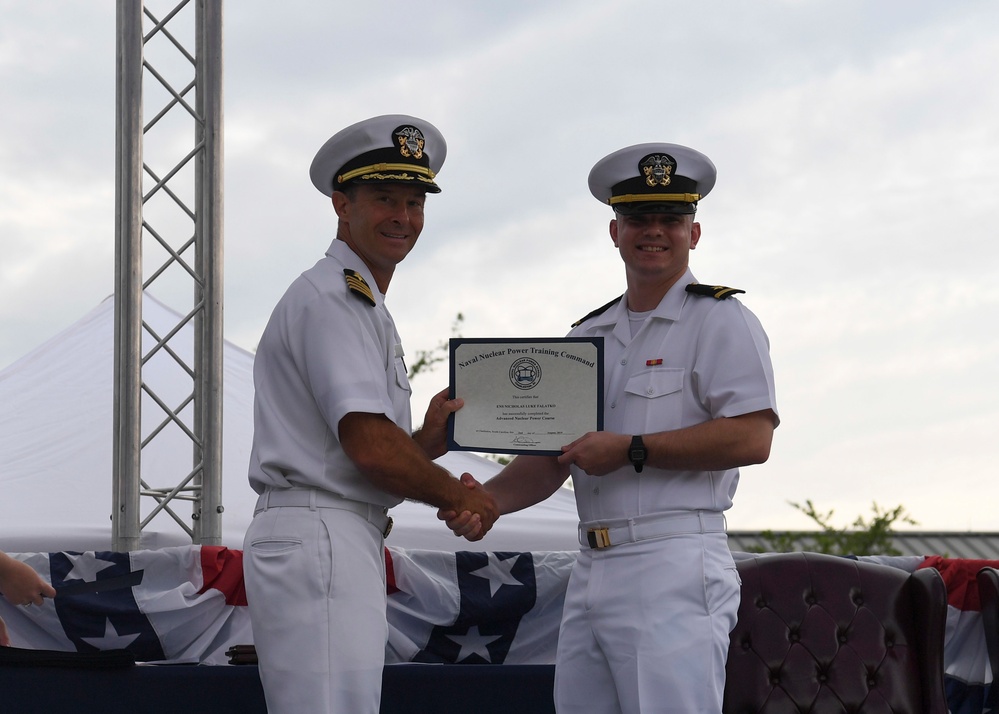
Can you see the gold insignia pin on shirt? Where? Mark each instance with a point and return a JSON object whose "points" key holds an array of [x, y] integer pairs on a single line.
{"points": [[359, 286]]}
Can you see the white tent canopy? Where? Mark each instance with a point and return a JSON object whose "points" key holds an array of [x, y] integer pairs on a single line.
{"points": [[56, 444]]}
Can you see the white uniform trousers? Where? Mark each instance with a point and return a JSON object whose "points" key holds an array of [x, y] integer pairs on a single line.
{"points": [[315, 583], [646, 627]]}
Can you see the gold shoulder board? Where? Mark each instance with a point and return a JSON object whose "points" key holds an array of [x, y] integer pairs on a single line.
{"points": [[599, 311], [718, 292], [359, 286]]}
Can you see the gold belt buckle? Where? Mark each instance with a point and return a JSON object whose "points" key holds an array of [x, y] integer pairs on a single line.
{"points": [[598, 537]]}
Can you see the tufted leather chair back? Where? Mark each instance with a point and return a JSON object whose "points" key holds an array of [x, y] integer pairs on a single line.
{"points": [[988, 593], [824, 634]]}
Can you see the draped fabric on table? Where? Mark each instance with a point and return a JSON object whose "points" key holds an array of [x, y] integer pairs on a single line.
{"points": [[187, 604]]}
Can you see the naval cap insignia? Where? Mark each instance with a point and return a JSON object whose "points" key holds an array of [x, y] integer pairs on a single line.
{"points": [[411, 141], [657, 169]]}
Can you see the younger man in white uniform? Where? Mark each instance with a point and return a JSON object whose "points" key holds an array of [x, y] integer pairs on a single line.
{"points": [[689, 397], [332, 449]]}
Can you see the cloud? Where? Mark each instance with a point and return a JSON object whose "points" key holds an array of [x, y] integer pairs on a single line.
{"points": [[858, 165]]}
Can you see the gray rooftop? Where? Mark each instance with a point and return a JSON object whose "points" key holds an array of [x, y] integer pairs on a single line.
{"points": [[948, 544]]}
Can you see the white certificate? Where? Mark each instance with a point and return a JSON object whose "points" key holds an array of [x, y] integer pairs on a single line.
{"points": [[525, 396]]}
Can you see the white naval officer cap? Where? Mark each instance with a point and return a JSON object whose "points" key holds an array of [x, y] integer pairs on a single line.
{"points": [[652, 178], [393, 148]]}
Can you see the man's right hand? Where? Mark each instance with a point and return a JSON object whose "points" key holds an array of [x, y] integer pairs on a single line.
{"points": [[20, 584], [476, 513]]}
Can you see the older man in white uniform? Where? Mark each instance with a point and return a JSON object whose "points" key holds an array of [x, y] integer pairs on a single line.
{"points": [[689, 397], [332, 448]]}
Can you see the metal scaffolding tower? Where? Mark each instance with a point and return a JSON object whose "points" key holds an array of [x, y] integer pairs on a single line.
{"points": [[170, 202]]}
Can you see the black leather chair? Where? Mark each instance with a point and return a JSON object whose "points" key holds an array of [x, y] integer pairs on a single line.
{"points": [[825, 634], [988, 593]]}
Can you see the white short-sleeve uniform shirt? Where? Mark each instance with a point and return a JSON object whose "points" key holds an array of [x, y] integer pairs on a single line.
{"points": [[694, 359], [325, 352]]}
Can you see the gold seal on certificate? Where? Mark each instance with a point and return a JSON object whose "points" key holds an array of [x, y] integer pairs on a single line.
{"points": [[525, 396]]}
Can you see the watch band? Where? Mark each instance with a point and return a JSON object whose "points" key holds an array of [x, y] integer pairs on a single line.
{"points": [[637, 453]]}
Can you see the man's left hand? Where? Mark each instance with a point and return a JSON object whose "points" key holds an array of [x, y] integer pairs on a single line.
{"points": [[597, 453], [432, 436]]}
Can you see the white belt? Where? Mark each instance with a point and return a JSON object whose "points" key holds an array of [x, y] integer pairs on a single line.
{"points": [[314, 498], [603, 534]]}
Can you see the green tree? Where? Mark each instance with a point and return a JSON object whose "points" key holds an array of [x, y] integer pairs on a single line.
{"points": [[865, 537]]}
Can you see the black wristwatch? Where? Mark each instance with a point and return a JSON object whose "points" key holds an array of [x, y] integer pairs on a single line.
{"points": [[637, 453]]}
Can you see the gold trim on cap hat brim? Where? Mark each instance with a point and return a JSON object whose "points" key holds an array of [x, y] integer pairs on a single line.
{"points": [[381, 168], [648, 197]]}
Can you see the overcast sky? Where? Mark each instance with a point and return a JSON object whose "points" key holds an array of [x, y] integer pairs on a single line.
{"points": [[856, 203]]}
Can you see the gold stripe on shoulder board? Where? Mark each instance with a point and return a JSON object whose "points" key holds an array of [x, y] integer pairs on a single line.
{"points": [[359, 286], [718, 292], [599, 311]]}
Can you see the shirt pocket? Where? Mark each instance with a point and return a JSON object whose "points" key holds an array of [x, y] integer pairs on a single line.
{"points": [[654, 400], [402, 375]]}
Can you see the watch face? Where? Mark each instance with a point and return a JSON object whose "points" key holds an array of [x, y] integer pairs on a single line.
{"points": [[637, 453]]}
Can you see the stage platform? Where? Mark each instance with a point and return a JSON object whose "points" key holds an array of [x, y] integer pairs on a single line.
{"points": [[193, 689]]}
